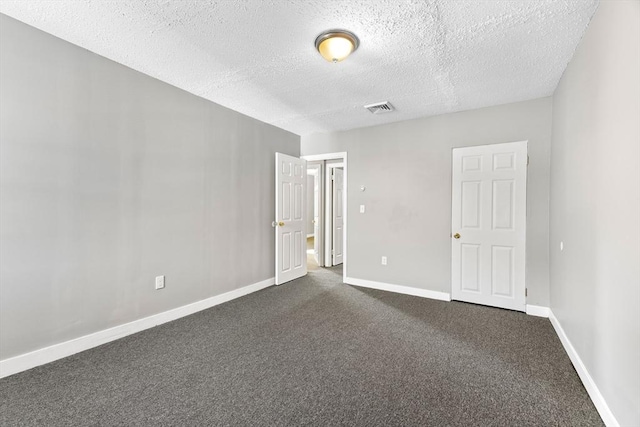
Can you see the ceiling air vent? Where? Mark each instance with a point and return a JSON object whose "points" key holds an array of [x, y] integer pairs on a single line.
{"points": [[380, 107]]}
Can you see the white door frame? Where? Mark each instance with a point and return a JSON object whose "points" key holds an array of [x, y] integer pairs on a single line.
{"points": [[337, 156], [328, 214]]}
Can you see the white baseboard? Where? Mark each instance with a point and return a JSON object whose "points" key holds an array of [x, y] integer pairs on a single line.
{"points": [[58, 351], [408, 290], [587, 381], [537, 310]]}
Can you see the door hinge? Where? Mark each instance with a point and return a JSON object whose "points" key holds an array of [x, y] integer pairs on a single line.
{"points": [[525, 292], [527, 160]]}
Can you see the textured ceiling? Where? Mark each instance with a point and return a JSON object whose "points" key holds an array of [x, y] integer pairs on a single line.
{"points": [[257, 56]]}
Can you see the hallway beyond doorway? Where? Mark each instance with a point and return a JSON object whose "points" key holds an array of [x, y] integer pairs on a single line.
{"points": [[311, 260]]}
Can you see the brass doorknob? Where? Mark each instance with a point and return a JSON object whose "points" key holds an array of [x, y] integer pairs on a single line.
{"points": [[456, 236], [281, 224]]}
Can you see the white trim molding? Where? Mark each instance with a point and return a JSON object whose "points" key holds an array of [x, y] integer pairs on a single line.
{"points": [[585, 377], [537, 310], [325, 156], [407, 290], [49, 354]]}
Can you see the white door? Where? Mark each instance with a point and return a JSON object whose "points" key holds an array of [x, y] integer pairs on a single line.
{"points": [[337, 216], [291, 237], [489, 225]]}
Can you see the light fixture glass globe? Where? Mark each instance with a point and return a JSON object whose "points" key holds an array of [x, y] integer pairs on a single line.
{"points": [[335, 49], [336, 45]]}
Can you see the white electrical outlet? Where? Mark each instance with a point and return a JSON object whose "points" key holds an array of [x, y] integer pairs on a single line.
{"points": [[159, 282], [561, 246], [384, 260], [361, 208]]}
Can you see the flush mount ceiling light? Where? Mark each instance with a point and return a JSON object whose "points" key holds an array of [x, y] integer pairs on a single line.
{"points": [[336, 45]]}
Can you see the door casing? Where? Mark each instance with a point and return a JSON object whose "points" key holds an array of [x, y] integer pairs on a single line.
{"points": [[343, 161]]}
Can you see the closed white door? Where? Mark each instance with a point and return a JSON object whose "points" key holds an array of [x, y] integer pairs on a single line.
{"points": [[338, 216], [489, 225], [291, 237]]}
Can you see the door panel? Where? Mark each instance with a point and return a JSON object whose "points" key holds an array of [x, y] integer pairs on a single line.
{"points": [[286, 202], [504, 162], [286, 249], [291, 260], [298, 201], [471, 163], [470, 267], [503, 207], [471, 204], [489, 221], [502, 271]]}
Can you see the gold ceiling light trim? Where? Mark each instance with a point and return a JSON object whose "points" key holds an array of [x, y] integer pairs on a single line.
{"points": [[336, 45]]}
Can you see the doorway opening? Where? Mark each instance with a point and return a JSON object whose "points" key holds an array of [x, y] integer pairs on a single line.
{"points": [[326, 220], [313, 216]]}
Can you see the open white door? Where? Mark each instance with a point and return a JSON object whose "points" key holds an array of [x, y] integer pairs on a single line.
{"points": [[338, 216], [291, 237], [489, 225]]}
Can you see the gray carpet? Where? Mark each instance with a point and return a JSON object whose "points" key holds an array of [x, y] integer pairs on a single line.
{"points": [[315, 352]]}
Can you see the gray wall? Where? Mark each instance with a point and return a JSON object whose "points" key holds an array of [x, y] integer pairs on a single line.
{"points": [[595, 205], [406, 168], [109, 178]]}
